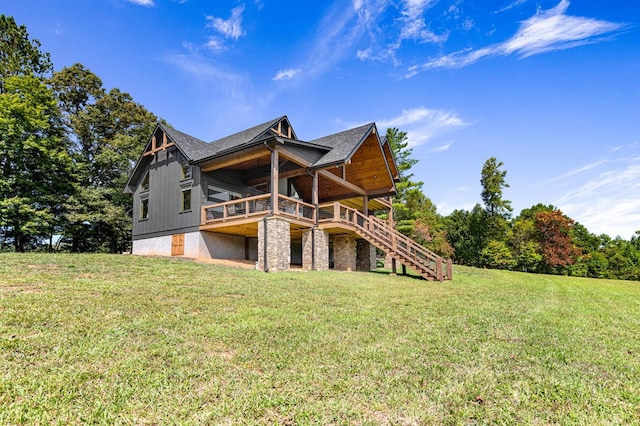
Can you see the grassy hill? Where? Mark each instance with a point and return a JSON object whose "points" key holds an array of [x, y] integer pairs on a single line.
{"points": [[131, 340]]}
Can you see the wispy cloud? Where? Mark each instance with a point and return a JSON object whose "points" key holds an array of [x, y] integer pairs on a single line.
{"points": [[286, 74], [604, 196], [510, 6], [229, 28], [443, 148], [423, 125], [546, 31], [229, 85], [147, 3], [337, 33], [410, 24], [413, 25]]}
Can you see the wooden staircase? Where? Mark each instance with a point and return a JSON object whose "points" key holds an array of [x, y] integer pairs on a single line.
{"points": [[400, 247]]}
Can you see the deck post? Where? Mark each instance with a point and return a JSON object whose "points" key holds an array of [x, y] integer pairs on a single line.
{"points": [[274, 181], [314, 196]]}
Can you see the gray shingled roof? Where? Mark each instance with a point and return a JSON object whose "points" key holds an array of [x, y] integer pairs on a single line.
{"points": [[342, 144], [239, 139], [191, 147]]}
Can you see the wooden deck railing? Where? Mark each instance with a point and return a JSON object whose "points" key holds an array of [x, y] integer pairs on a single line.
{"points": [[257, 206], [378, 232], [381, 234]]}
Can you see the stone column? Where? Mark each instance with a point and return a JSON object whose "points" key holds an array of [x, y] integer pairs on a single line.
{"points": [[365, 256], [278, 244], [344, 253], [387, 261], [321, 253]]}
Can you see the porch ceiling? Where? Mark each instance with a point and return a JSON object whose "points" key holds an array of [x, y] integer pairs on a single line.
{"points": [[366, 172]]}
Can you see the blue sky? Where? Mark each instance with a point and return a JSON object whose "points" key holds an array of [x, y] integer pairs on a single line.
{"points": [[551, 88]]}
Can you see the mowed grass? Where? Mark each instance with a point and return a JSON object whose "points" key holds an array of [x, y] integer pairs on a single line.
{"points": [[109, 339]]}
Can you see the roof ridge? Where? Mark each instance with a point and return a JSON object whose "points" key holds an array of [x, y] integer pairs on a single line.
{"points": [[265, 126]]}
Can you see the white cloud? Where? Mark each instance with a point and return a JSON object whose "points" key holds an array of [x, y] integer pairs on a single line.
{"points": [[215, 44], [230, 28], [546, 31], [287, 74], [423, 124], [604, 196], [228, 85], [337, 33], [510, 6], [386, 40], [443, 148], [147, 3], [413, 26]]}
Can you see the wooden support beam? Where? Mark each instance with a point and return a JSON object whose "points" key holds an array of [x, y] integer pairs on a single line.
{"points": [[314, 195], [342, 182], [275, 158], [283, 175], [235, 158]]}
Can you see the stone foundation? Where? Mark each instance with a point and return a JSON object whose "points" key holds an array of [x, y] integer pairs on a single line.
{"points": [[365, 256], [321, 253], [344, 253], [278, 243]]}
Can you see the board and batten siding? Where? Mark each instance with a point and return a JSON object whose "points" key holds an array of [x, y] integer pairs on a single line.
{"points": [[165, 198]]}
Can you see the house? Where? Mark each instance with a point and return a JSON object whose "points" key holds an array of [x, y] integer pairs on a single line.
{"points": [[265, 196]]}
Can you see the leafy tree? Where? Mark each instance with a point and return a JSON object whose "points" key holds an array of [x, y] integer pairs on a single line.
{"points": [[20, 55], [34, 161], [467, 234], [528, 257], [523, 242], [553, 230], [107, 130], [497, 255]]}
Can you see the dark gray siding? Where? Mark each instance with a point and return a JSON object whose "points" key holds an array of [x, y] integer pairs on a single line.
{"points": [[165, 198]]}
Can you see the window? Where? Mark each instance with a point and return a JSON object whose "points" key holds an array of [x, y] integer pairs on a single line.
{"points": [[145, 182], [144, 209], [186, 171], [186, 199]]}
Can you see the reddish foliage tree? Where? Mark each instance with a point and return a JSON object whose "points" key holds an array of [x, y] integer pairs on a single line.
{"points": [[555, 240]]}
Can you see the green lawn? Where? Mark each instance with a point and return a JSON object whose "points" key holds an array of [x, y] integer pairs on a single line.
{"points": [[129, 340]]}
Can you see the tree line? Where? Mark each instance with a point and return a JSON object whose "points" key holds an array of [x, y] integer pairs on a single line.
{"points": [[68, 144], [541, 239]]}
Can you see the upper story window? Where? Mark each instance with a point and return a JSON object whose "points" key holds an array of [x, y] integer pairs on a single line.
{"points": [[144, 209], [144, 186], [186, 199], [185, 172]]}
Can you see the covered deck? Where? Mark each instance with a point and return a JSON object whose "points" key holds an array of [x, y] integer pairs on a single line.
{"points": [[241, 216]]}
